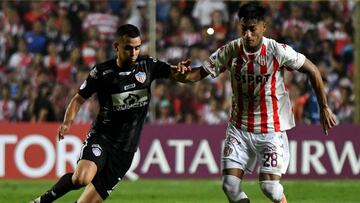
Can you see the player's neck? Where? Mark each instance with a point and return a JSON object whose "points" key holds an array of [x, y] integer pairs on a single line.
{"points": [[118, 63], [122, 64], [253, 49]]}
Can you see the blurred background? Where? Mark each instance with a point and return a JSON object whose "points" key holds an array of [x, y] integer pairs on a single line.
{"points": [[48, 47]]}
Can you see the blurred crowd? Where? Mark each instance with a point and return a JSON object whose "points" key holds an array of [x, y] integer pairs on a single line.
{"points": [[48, 47]]}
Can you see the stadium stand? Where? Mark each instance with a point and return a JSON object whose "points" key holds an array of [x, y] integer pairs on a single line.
{"points": [[48, 47]]}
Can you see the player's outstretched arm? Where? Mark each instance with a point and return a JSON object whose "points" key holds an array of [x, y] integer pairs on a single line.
{"points": [[327, 118], [70, 115], [183, 72]]}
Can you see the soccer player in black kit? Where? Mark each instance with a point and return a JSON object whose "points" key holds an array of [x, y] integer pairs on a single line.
{"points": [[123, 91]]}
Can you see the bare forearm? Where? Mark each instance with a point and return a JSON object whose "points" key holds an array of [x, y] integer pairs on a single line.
{"points": [[316, 82], [73, 109], [194, 75], [327, 118]]}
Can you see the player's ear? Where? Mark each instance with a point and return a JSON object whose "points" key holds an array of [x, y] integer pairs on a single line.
{"points": [[264, 26], [115, 45]]}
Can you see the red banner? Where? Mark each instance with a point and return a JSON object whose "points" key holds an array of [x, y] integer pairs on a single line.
{"points": [[175, 151]]}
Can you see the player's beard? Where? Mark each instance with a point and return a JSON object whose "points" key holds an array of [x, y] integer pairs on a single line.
{"points": [[129, 62], [133, 60]]}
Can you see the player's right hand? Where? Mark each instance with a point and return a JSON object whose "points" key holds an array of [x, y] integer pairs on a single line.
{"points": [[62, 130], [327, 119], [184, 66]]}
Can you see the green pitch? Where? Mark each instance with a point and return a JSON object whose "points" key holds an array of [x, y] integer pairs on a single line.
{"points": [[192, 191]]}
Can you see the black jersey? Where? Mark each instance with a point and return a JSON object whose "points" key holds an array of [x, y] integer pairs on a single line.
{"points": [[124, 96]]}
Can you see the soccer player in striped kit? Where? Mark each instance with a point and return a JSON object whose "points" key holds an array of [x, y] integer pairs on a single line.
{"points": [[261, 107]]}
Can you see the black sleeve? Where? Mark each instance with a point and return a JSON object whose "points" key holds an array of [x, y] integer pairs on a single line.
{"points": [[159, 69], [89, 86]]}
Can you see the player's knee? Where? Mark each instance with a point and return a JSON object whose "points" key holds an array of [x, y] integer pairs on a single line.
{"points": [[232, 189], [84, 173], [231, 185], [272, 189], [82, 178]]}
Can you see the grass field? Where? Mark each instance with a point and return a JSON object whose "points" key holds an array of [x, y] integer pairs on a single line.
{"points": [[192, 191]]}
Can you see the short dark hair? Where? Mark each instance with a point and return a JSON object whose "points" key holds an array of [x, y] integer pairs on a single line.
{"points": [[129, 30], [252, 11]]}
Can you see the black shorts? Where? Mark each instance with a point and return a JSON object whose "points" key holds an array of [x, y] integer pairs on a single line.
{"points": [[112, 163]]}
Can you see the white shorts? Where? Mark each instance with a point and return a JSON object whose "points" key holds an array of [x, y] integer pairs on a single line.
{"points": [[242, 150]]}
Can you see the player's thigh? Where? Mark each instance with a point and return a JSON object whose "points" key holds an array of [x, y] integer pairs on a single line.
{"points": [[273, 155], [117, 165], [90, 195], [237, 152], [84, 172], [92, 159], [95, 150]]}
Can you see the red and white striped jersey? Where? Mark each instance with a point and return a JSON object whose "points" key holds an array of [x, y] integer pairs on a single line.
{"points": [[260, 102]]}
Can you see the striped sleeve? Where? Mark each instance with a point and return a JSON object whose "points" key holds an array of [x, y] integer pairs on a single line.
{"points": [[289, 57], [218, 61]]}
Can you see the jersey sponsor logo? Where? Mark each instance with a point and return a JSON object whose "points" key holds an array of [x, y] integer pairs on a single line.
{"points": [[83, 85], [257, 79], [127, 87], [96, 149], [130, 99], [140, 76]]}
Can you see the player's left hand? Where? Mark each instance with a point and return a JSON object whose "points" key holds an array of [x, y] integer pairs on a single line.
{"points": [[327, 119], [62, 130]]}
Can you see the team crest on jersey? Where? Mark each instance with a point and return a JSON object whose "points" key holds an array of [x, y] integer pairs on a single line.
{"points": [[227, 151], [262, 60], [96, 149], [140, 76]]}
